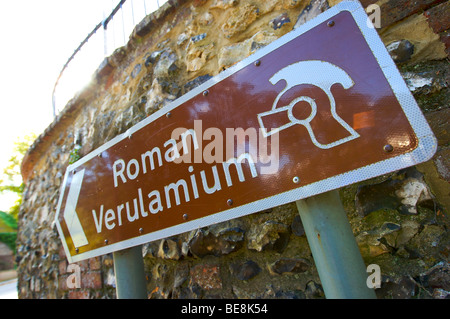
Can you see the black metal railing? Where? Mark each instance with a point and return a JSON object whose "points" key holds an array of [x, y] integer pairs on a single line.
{"points": [[116, 26]]}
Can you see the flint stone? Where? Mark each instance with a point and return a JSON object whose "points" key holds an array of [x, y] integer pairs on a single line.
{"points": [[289, 266], [196, 82], [198, 38], [181, 275], [296, 294], [401, 50], [312, 10], [152, 58], [229, 55], [314, 290], [279, 21], [224, 4], [168, 249], [442, 161], [206, 19], [165, 65], [157, 97], [239, 19], [297, 226], [198, 56], [217, 240], [409, 229], [246, 271], [169, 87], [150, 249], [136, 70], [429, 238], [270, 235], [404, 289], [437, 277], [402, 192], [182, 38], [110, 278], [439, 293], [243, 294]]}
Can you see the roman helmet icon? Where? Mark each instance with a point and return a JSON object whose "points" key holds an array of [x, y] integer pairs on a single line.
{"points": [[318, 73]]}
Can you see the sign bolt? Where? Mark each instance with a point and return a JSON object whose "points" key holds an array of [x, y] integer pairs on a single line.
{"points": [[257, 63], [77, 250], [330, 23], [205, 93], [106, 241], [141, 230], [296, 179], [185, 216], [168, 114], [388, 148], [229, 202]]}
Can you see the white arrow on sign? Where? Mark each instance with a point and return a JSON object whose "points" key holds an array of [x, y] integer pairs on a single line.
{"points": [[70, 215]]}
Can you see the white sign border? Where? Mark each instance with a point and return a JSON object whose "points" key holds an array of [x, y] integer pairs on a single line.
{"points": [[426, 148]]}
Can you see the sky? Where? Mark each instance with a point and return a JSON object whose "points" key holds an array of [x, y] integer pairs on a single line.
{"points": [[37, 38]]}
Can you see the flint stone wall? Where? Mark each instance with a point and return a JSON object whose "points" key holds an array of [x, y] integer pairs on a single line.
{"points": [[400, 220]]}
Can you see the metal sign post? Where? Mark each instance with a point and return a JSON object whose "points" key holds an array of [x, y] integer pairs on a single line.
{"points": [[130, 275], [338, 260]]}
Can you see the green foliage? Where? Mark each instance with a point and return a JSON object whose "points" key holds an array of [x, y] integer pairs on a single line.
{"points": [[10, 240], [8, 234], [74, 154], [11, 179], [12, 171], [9, 220]]}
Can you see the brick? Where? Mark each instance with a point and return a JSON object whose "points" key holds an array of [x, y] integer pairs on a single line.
{"points": [[95, 263], [198, 3], [396, 10], [151, 21], [445, 38], [62, 267], [104, 70], [439, 17], [84, 264], [92, 280], [61, 252], [442, 161], [206, 276], [439, 122], [62, 283], [78, 294], [366, 3], [144, 27]]}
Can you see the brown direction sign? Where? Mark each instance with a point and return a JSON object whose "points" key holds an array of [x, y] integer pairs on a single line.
{"points": [[318, 109]]}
